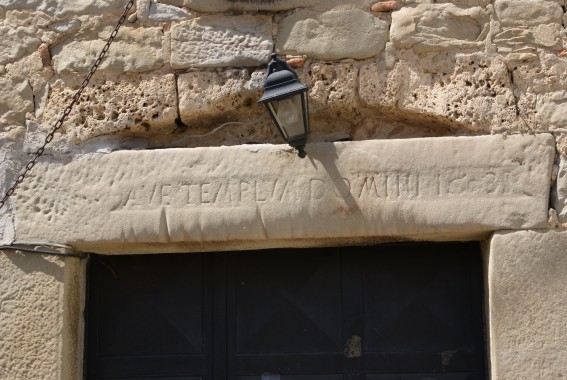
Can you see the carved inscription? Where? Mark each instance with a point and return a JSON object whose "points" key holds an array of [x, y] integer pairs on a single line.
{"points": [[394, 186]]}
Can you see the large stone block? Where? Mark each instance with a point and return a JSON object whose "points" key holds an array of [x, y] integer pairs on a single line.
{"points": [[332, 35], [184, 199], [262, 5], [527, 289], [439, 27], [528, 12], [135, 105], [134, 50], [40, 316], [221, 41], [239, 5]]}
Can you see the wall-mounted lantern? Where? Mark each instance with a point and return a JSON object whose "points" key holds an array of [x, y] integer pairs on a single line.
{"points": [[286, 100]]}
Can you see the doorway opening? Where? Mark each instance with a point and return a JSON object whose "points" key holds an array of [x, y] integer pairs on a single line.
{"points": [[387, 312]]}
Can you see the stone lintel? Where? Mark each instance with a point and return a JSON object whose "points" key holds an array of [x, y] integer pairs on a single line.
{"points": [[259, 195]]}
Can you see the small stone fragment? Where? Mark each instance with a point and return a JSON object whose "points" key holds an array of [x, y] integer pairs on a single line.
{"points": [[44, 55], [562, 53], [385, 6], [296, 62]]}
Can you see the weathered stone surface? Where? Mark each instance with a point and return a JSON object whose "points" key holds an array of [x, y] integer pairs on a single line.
{"points": [[62, 8], [206, 94], [481, 3], [439, 27], [450, 187], [39, 316], [16, 42], [332, 90], [227, 5], [150, 11], [30, 69], [552, 110], [134, 50], [164, 12], [11, 160], [473, 91], [332, 35], [521, 44], [16, 99], [527, 12], [220, 41], [528, 313], [134, 104], [559, 193]]}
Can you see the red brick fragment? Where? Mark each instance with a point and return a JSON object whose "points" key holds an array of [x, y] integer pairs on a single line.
{"points": [[45, 55], [385, 6], [296, 62]]}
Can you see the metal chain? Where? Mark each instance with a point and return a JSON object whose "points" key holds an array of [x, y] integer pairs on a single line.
{"points": [[67, 110]]}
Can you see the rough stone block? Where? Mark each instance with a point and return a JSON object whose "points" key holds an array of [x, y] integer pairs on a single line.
{"points": [[475, 92], [559, 193], [134, 50], [480, 3], [135, 105], [332, 35], [40, 313], [527, 12], [527, 289], [17, 42], [418, 188], [552, 110], [332, 89], [240, 5], [16, 99], [165, 12], [61, 8], [204, 95], [439, 27], [221, 41]]}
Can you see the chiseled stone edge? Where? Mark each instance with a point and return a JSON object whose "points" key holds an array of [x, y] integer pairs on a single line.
{"points": [[113, 201], [527, 289]]}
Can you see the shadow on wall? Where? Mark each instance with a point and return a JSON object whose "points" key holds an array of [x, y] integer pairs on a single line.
{"points": [[30, 263]]}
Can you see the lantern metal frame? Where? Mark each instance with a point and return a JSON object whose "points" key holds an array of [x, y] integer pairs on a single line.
{"points": [[282, 83]]}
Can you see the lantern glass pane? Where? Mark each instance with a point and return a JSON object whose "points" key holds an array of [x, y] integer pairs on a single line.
{"points": [[289, 116]]}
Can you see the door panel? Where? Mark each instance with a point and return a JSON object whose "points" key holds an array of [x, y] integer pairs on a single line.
{"points": [[390, 312], [423, 376], [423, 310], [150, 316], [285, 313]]}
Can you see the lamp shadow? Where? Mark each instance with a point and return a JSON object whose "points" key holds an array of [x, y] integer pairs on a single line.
{"points": [[327, 156]]}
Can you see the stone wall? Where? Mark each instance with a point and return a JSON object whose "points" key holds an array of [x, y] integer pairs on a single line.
{"points": [[376, 70]]}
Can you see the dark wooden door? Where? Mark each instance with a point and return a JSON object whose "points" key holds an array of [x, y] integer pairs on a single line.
{"points": [[150, 317], [392, 312]]}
